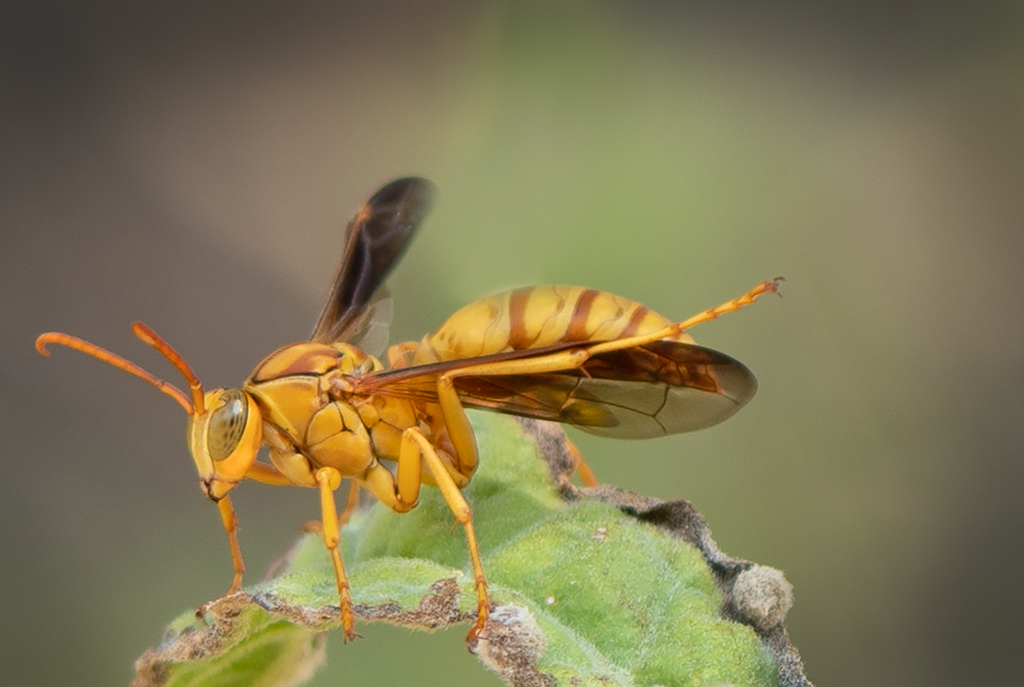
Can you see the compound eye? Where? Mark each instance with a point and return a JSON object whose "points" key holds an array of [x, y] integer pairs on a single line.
{"points": [[227, 424]]}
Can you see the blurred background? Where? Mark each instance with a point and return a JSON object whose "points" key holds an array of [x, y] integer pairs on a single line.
{"points": [[193, 165]]}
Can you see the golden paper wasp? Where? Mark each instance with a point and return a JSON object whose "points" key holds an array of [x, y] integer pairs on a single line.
{"points": [[327, 411]]}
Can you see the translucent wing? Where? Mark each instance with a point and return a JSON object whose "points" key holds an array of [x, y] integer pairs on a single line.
{"points": [[653, 390], [376, 239], [664, 387]]}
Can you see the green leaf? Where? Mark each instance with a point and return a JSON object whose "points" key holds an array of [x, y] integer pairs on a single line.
{"points": [[590, 587]]}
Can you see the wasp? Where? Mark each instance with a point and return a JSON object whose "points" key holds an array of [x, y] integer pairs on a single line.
{"points": [[326, 410]]}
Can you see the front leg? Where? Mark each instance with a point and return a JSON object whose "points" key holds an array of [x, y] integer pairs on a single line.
{"points": [[261, 473], [230, 521]]}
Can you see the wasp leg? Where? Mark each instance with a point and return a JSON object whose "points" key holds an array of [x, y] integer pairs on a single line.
{"points": [[673, 330], [268, 474], [230, 520], [400, 492], [587, 475], [459, 430], [329, 479], [463, 439]]}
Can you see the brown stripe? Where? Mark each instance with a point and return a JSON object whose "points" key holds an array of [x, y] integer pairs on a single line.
{"points": [[577, 329], [632, 327], [518, 339]]}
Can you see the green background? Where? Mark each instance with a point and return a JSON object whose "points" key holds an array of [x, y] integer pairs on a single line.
{"points": [[192, 165]]}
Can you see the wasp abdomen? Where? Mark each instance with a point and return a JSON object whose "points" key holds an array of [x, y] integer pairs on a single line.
{"points": [[537, 316]]}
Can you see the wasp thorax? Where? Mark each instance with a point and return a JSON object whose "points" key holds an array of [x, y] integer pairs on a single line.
{"points": [[355, 361]]}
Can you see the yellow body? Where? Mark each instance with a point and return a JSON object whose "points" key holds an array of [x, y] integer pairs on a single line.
{"points": [[329, 411], [311, 421]]}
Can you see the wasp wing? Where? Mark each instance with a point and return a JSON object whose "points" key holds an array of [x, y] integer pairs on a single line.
{"points": [[664, 387], [376, 239]]}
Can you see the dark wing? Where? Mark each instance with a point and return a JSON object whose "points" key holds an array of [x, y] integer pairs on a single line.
{"points": [[664, 387], [376, 239]]}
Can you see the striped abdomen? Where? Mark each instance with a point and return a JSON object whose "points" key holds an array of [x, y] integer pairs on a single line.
{"points": [[537, 316]]}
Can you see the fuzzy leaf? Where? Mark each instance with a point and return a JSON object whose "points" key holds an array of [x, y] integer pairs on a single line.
{"points": [[586, 592]]}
